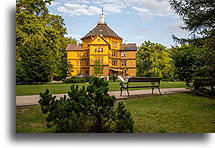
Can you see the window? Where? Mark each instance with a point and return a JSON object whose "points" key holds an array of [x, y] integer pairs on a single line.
{"points": [[87, 62], [123, 63], [99, 58], [114, 62], [123, 54], [114, 44], [87, 53], [98, 49], [99, 70], [102, 70], [114, 53], [78, 63], [78, 54]]}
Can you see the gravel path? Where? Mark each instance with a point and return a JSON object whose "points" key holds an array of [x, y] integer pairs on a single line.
{"points": [[33, 99]]}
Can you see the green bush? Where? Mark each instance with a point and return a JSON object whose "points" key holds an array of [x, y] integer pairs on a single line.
{"points": [[75, 80], [205, 93], [89, 110]]}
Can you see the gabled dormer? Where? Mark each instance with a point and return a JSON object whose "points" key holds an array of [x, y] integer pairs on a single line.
{"points": [[99, 45], [99, 40]]}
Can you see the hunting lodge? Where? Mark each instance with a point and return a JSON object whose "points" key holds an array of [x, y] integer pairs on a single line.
{"points": [[103, 44]]}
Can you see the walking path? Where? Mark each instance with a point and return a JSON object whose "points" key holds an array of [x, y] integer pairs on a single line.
{"points": [[33, 99]]}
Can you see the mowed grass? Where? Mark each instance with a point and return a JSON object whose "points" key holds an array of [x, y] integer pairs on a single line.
{"points": [[61, 88], [29, 119], [178, 113]]}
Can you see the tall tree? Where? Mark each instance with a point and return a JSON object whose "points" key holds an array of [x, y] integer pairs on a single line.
{"points": [[36, 31], [198, 16], [186, 62], [153, 60], [199, 20]]}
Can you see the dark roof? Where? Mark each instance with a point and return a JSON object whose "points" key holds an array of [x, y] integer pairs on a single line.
{"points": [[129, 46], [74, 47], [102, 29]]}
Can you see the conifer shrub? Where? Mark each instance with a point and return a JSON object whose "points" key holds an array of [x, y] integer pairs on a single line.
{"points": [[87, 110], [204, 92]]}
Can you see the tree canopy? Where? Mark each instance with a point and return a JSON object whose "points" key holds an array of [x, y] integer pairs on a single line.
{"points": [[153, 60], [199, 19], [186, 62], [198, 16], [40, 43]]}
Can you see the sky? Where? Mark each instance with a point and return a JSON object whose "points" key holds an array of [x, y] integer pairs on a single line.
{"points": [[135, 21]]}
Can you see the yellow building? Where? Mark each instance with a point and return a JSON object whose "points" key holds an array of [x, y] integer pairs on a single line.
{"points": [[103, 44]]}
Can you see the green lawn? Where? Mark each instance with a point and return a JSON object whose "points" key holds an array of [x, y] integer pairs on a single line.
{"points": [[179, 113], [61, 88]]}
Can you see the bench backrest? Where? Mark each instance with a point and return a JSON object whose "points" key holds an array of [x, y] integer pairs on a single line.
{"points": [[144, 79], [121, 78]]}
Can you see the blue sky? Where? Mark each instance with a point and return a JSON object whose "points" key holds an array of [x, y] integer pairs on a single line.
{"points": [[134, 20]]}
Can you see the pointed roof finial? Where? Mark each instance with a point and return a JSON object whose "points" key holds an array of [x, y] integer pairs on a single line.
{"points": [[102, 18]]}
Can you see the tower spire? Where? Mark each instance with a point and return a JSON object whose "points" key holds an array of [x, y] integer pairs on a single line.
{"points": [[102, 18]]}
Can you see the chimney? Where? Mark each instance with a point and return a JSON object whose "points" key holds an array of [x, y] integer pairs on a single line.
{"points": [[77, 42], [126, 42]]}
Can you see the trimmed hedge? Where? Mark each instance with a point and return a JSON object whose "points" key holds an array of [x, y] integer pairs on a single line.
{"points": [[75, 80]]}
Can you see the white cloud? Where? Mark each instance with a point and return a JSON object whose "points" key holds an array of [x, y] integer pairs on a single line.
{"points": [[95, 10], [53, 4], [144, 8], [90, 7], [78, 9], [76, 36], [141, 11], [153, 8], [112, 8], [75, 1], [175, 28]]}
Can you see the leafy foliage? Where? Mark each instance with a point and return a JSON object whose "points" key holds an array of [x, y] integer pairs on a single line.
{"points": [[198, 16], [40, 43], [205, 93], [29, 65], [186, 62], [97, 67], [86, 110], [153, 60], [199, 19]]}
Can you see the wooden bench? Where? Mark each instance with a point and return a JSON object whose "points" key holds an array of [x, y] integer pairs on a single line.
{"points": [[155, 83]]}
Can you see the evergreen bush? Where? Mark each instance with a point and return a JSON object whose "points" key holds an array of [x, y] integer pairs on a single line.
{"points": [[204, 92], [89, 110]]}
